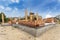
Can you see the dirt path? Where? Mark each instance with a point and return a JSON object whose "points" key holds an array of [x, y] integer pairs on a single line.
{"points": [[52, 34], [11, 33]]}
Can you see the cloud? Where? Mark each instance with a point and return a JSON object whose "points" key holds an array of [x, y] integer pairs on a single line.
{"points": [[15, 1], [10, 12], [7, 2], [8, 9], [48, 16], [16, 7], [58, 1], [1, 7]]}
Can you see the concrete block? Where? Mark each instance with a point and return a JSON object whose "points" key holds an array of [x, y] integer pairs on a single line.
{"points": [[34, 31]]}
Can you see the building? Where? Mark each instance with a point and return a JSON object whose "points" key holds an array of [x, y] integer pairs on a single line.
{"points": [[49, 19]]}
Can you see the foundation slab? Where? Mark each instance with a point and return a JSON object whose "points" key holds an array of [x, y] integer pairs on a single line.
{"points": [[34, 31]]}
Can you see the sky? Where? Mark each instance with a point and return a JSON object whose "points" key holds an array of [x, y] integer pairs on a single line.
{"points": [[16, 8]]}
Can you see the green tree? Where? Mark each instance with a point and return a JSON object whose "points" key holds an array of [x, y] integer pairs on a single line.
{"points": [[5, 19], [1, 16]]}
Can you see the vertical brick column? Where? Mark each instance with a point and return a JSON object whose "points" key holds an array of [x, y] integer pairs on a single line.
{"points": [[26, 14], [2, 19], [37, 16], [31, 17]]}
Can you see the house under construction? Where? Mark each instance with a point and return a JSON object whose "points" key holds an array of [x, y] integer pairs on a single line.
{"points": [[33, 20]]}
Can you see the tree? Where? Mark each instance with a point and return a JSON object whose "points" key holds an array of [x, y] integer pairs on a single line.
{"points": [[5, 19], [1, 16]]}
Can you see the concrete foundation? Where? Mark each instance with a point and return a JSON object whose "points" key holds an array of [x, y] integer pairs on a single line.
{"points": [[34, 31]]}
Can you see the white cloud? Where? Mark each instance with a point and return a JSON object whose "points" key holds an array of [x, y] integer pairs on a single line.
{"points": [[9, 12], [16, 9], [8, 9], [7, 2], [17, 1], [1, 7], [58, 0], [48, 16]]}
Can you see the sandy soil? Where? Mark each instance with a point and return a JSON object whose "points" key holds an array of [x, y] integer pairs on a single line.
{"points": [[52, 34], [11, 33]]}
